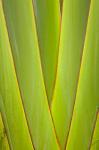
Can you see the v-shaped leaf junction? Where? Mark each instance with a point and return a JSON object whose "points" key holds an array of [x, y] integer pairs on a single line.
{"points": [[49, 81]]}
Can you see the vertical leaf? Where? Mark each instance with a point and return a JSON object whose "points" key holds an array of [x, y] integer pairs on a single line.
{"points": [[10, 101], [95, 139], [25, 51], [61, 4], [4, 145], [47, 15], [87, 99], [74, 20]]}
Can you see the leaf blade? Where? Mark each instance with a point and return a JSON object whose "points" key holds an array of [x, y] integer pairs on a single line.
{"points": [[25, 51], [3, 138], [10, 100], [87, 99], [74, 22], [47, 15]]}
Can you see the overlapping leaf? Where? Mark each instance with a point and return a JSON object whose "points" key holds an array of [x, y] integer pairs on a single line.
{"points": [[10, 101], [74, 21], [25, 51], [47, 15], [34, 29], [95, 138], [87, 99], [4, 145]]}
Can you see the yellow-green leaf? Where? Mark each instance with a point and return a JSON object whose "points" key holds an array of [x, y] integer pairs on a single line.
{"points": [[87, 99], [10, 101], [47, 15], [95, 138], [74, 20], [23, 39], [4, 145]]}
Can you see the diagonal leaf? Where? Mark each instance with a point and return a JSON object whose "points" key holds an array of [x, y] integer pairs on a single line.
{"points": [[87, 99], [4, 145], [74, 20], [25, 51], [10, 101], [47, 15], [95, 139]]}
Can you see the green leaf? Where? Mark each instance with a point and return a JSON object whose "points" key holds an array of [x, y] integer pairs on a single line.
{"points": [[10, 101], [61, 4], [87, 99], [23, 38], [95, 139], [47, 15], [74, 20], [4, 145]]}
